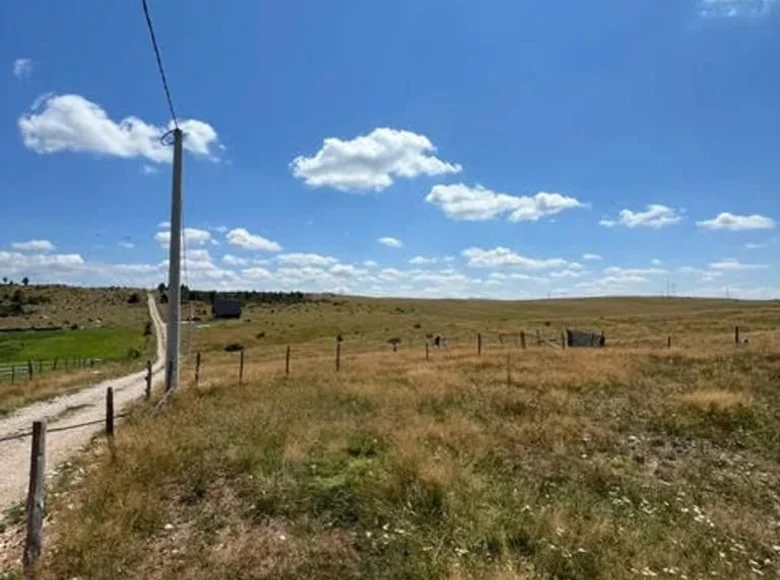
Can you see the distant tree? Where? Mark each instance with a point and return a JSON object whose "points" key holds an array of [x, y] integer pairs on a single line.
{"points": [[26, 281], [5, 279], [185, 293], [161, 287]]}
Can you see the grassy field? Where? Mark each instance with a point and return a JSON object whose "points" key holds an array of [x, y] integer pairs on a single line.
{"points": [[99, 323], [105, 342], [631, 461]]}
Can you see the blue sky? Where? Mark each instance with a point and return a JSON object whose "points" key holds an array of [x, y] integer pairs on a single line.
{"points": [[429, 148]]}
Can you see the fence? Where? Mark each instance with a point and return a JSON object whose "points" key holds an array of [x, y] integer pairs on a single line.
{"points": [[20, 371]]}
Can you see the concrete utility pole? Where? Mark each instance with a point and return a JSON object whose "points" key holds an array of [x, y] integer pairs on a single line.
{"points": [[174, 270]]}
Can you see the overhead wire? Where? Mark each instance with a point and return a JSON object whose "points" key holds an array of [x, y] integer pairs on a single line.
{"points": [[174, 119]]}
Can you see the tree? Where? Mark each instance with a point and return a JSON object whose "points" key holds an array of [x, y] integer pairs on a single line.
{"points": [[161, 288], [5, 279], [26, 281]]}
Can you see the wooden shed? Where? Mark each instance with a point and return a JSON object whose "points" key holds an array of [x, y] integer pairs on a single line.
{"points": [[226, 308]]}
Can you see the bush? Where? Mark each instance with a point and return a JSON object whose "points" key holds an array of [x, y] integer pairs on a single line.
{"points": [[133, 353], [74, 326], [234, 347], [261, 334], [148, 328], [134, 298]]}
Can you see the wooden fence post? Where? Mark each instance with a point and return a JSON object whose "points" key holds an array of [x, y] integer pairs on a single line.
{"points": [[110, 412], [148, 392], [338, 356], [241, 367], [13, 374], [287, 361], [35, 499], [197, 369], [522, 339], [29, 370], [669, 342], [479, 344], [427, 355], [736, 335], [538, 338], [563, 340]]}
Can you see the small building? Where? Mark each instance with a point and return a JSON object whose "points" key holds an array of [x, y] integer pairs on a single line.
{"points": [[226, 308]]}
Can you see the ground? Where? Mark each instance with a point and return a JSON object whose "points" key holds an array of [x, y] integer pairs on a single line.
{"points": [[80, 324], [637, 460]]}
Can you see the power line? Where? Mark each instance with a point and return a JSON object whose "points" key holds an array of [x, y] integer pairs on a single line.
{"points": [[159, 63]]}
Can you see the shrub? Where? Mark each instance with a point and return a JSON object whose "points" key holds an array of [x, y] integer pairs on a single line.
{"points": [[148, 328], [134, 298]]}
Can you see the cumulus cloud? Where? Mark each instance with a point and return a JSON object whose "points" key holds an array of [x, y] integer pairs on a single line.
{"points": [[15, 263], [497, 257], [299, 259], [391, 242], [461, 202], [191, 236], [33, 246], [58, 123], [240, 237], [737, 223], [732, 264], [370, 162], [370, 264], [421, 260], [655, 216], [591, 257], [23, 68], [231, 260]]}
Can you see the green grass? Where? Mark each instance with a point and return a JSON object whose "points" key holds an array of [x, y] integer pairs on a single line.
{"points": [[105, 343]]}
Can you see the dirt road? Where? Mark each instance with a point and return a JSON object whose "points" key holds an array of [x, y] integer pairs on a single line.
{"points": [[83, 406]]}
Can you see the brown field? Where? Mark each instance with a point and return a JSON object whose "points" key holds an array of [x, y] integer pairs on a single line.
{"points": [[631, 461]]}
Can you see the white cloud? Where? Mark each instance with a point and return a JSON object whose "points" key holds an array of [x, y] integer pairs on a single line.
{"points": [[18, 263], [296, 259], [655, 216], [191, 236], [164, 225], [231, 260], [72, 123], [390, 242], [370, 162], [147, 169], [737, 223], [33, 246], [734, 8], [655, 262], [220, 229], [23, 68], [731, 264], [370, 264], [618, 271], [257, 273], [591, 257], [420, 260], [479, 258], [755, 246], [241, 238], [126, 244], [461, 202]]}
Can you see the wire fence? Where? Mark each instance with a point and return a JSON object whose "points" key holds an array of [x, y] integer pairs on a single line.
{"points": [[20, 371]]}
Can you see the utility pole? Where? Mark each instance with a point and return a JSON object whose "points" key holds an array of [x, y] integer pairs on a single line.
{"points": [[174, 270]]}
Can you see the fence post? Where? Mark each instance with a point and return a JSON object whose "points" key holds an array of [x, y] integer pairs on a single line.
{"points": [[287, 361], [479, 344], [13, 374], [427, 356], [522, 339], [669, 342], [563, 340], [148, 392], [29, 370], [54, 365], [197, 369], [736, 335], [538, 338], [241, 367], [110, 412], [35, 499], [338, 356]]}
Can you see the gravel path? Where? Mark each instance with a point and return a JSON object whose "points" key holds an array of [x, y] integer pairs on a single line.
{"points": [[82, 406]]}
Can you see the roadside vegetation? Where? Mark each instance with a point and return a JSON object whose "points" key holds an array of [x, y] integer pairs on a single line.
{"points": [[631, 461]]}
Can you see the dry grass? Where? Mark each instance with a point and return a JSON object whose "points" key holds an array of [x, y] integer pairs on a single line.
{"points": [[632, 461]]}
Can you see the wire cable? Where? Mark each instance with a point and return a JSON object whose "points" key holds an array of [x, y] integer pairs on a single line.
{"points": [[160, 63]]}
